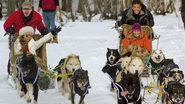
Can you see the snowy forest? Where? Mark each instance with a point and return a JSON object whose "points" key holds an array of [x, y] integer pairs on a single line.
{"points": [[107, 9]]}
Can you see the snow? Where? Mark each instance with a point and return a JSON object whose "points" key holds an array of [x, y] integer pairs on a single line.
{"points": [[90, 41]]}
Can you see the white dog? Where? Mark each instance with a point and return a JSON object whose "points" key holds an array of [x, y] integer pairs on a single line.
{"points": [[71, 63], [124, 66], [136, 64], [157, 56]]}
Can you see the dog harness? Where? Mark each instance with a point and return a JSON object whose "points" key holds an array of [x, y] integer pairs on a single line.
{"points": [[120, 90], [20, 73], [80, 91]]}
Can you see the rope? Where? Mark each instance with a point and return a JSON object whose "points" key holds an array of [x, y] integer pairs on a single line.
{"points": [[157, 38]]}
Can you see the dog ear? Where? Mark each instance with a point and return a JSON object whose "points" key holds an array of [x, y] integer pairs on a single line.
{"points": [[86, 72], [108, 49], [123, 74]]}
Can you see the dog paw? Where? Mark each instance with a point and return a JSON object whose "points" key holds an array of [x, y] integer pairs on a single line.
{"points": [[112, 89], [28, 100], [35, 102], [21, 94]]}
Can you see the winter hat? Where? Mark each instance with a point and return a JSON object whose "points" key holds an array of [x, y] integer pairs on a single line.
{"points": [[136, 26], [25, 30], [27, 5]]}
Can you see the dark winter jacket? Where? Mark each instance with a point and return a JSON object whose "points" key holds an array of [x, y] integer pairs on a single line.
{"points": [[48, 5], [144, 18], [18, 20]]}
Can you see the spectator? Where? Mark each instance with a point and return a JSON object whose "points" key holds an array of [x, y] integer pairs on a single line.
{"points": [[137, 13], [49, 7]]}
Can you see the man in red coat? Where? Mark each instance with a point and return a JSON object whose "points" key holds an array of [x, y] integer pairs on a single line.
{"points": [[24, 17]]}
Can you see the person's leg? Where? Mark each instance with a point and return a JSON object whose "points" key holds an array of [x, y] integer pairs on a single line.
{"points": [[52, 19], [45, 16], [183, 17], [8, 67]]}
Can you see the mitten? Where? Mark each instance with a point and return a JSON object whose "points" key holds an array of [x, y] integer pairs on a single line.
{"points": [[10, 30], [56, 30]]}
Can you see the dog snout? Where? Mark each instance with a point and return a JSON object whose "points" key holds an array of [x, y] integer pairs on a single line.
{"points": [[111, 58], [73, 70]]}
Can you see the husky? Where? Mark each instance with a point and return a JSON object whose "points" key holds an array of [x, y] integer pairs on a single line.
{"points": [[79, 85], [129, 88], [125, 60], [136, 65], [68, 66], [27, 77], [174, 93], [112, 67], [156, 61]]}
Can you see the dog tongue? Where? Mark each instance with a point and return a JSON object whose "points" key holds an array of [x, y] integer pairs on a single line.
{"points": [[82, 88], [123, 93]]}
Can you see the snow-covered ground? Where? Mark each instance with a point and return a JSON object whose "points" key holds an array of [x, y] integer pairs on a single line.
{"points": [[90, 41]]}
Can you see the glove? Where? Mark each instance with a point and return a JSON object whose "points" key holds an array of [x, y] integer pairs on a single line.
{"points": [[56, 30], [44, 31], [10, 30]]}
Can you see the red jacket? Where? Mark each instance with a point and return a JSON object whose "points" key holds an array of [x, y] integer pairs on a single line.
{"points": [[143, 41], [48, 5], [16, 19]]}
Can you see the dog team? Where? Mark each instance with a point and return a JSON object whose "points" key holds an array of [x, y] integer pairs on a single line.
{"points": [[70, 78], [125, 72]]}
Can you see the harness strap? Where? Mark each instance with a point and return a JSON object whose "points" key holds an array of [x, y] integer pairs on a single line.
{"points": [[119, 90], [22, 78], [72, 85]]}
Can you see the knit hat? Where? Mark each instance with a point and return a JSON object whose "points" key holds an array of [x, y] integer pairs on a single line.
{"points": [[136, 26], [27, 5], [25, 30]]}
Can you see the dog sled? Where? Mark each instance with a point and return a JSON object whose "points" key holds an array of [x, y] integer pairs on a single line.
{"points": [[40, 58], [135, 50]]}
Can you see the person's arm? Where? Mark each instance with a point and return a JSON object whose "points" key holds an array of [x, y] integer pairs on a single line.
{"points": [[123, 18], [147, 44], [150, 19], [47, 37], [9, 22], [40, 25]]}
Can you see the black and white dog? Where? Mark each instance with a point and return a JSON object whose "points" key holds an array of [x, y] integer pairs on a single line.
{"points": [[156, 60], [171, 72], [174, 93], [129, 89], [27, 77], [79, 85], [111, 67]]}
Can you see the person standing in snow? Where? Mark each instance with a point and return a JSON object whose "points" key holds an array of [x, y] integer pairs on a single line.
{"points": [[49, 7]]}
